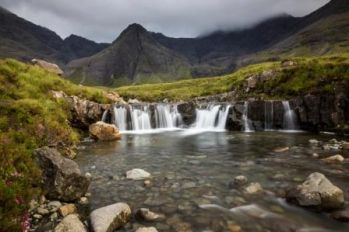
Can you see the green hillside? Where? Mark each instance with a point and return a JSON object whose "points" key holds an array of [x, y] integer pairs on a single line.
{"points": [[313, 74]]}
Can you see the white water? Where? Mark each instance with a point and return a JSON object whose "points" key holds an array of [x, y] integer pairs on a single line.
{"points": [[104, 116], [167, 118], [245, 119], [289, 117]]}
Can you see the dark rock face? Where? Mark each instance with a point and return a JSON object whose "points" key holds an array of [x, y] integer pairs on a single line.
{"points": [[62, 178], [188, 112], [85, 112]]}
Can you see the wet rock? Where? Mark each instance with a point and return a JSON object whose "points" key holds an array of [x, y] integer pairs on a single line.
{"points": [[334, 159], [314, 142], [83, 201], [42, 211], [239, 181], [234, 227], [137, 174], [317, 191], [62, 178], [315, 155], [70, 223], [281, 149], [67, 209], [110, 218], [147, 215], [253, 188], [147, 183], [188, 112], [104, 131], [147, 229], [341, 215]]}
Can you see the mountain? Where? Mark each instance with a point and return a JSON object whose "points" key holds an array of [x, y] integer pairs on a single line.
{"points": [[134, 57], [24, 40]]}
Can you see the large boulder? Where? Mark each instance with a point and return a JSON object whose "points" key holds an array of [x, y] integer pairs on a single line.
{"points": [[70, 223], [317, 191], [50, 67], [62, 178], [104, 131], [110, 218]]}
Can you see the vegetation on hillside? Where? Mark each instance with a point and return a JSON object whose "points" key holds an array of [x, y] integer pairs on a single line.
{"points": [[30, 118], [314, 74]]}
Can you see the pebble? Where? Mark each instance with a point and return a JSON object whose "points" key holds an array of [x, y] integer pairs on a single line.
{"points": [[42, 211], [334, 159], [281, 149]]}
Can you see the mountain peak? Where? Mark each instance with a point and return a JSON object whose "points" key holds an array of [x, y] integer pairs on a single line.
{"points": [[135, 27]]}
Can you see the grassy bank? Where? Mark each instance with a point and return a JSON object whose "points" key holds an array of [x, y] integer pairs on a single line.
{"points": [[309, 74], [30, 118]]}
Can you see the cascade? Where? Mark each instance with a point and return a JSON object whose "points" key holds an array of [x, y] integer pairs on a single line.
{"points": [[245, 119], [289, 117]]}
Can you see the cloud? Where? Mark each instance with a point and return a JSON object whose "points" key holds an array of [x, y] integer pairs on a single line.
{"points": [[103, 20]]}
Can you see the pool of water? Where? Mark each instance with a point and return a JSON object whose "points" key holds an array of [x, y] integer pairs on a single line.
{"points": [[191, 173]]}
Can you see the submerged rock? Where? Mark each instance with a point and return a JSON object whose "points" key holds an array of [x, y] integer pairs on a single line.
{"points": [[62, 178], [239, 181], [104, 131], [147, 215], [137, 174], [70, 223], [317, 191], [147, 229], [253, 188], [110, 218], [334, 159]]}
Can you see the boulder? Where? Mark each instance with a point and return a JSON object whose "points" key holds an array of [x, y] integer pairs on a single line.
{"points": [[104, 131], [70, 223], [50, 67], [110, 218], [62, 178], [137, 174], [317, 191], [67, 209]]}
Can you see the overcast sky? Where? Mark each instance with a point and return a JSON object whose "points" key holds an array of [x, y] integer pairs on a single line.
{"points": [[103, 20]]}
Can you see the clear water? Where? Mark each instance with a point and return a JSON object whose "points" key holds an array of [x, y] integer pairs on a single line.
{"points": [[191, 174]]}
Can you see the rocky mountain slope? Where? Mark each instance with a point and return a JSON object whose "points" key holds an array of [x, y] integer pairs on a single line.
{"points": [[24, 40], [135, 56], [324, 31]]}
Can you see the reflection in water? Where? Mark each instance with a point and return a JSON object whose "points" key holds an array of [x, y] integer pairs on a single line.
{"points": [[191, 176]]}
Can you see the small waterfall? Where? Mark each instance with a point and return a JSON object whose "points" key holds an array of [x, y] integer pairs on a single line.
{"points": [[104, 116], [289, 117], [140, 118], [167, 116], [214, 117], [120, 114], [245, 119], [269, 115]]}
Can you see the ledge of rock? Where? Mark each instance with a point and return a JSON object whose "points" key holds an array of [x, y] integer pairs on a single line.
{"points": [[110, 218], [104, 131], [70, 223], [62, 178], [317, 191]]}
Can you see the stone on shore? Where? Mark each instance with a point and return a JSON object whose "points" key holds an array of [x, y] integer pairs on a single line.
{"points": [[110, 218], [70, 223], [317, 191], [62, 178], [104, 131]]}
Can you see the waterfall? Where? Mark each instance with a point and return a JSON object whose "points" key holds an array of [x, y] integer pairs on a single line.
{"points": [[120, 114], [245, 119], [104, 116], [167, 116], [289, 117], [164, 117], [140, 118], [269, 115]]}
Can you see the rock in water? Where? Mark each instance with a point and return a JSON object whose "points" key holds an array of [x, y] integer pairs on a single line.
{"points": [[62, 178], [147, 229], [70, 223], [104, 131], [110, 218], [137, 174], [147, 215], [317, 191], [334, 159]]}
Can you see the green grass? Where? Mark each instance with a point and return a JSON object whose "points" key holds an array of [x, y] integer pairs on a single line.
{"points": [[30, 118], [311, 74]]}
